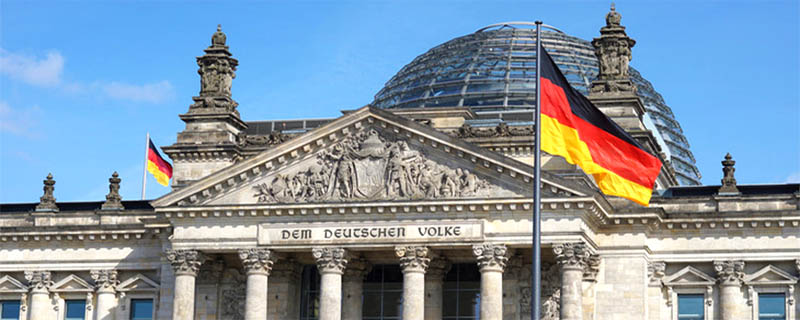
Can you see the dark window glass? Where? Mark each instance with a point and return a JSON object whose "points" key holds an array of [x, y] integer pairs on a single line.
{"points": [[141, 309], [690, 306], [76, 309], [309, 293], [9, 309], [383, 293], [771, 306], [462, 293]]}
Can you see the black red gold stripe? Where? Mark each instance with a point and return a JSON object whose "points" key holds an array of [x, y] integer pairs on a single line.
{"points": [[157, 166]]}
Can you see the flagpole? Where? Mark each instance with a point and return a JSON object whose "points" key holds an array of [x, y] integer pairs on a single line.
{"points": [[536, 264], [144, 169]]}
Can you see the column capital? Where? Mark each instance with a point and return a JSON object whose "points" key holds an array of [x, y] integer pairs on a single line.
{"points": [[105, 280], [413, 258], [491, 256], [729, 272], [185, 262], [655, 272], [287, 268], [438, 268], [39, 281], [572, 255], [256, 260], [592, 268], [330, 259], [357, 269]]}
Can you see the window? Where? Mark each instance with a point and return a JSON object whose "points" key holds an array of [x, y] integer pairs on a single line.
{"points": [[383, 293], [690, 306], [462, 293], [9, 309], [771, 306], [76, 309], [141, 309], [309, 293]]}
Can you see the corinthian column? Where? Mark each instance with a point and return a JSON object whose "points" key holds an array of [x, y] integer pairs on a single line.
{"points": [[186, 264], [572, 259], [414, 262], [729, 275], [331, 263], [434, 279], [106, 283], [353, 288], [491, 261], [39, 283], [257, 264]]}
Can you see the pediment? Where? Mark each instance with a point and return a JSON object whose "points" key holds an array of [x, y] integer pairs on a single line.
{"points": [[9, 284], [365, 155], [770, 275], [689, 276], [139, 282], [71, 283]]}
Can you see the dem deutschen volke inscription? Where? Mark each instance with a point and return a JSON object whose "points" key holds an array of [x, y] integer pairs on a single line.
{"points": [[288, 234]]}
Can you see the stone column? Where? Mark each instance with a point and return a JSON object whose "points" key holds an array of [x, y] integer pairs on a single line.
{"points": [[730, 275], [414, 262], [572, 259], [491, 261], [434, 278], [40, 282], [257, 264], [186, 264], [331, 262], [106, 283], [353, 288]]}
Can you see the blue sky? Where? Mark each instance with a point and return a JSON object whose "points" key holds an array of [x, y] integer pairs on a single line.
{"points": [[81, 82]]}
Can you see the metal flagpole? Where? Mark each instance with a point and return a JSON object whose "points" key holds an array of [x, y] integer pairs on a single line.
{"points": [[144, 169], [536, 264]]}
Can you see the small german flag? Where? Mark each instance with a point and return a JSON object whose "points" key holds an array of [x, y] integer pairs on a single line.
{"points": [[572, 127], [156, 165]]}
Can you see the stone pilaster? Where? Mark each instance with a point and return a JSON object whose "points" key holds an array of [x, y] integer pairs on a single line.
{"points": [[39, 283], [730, 275], [331, 262], [353, 288], [414, 262], [257, 264], [573, 259], [105, 282], [492, 259], [434, 278], [186, 265]]}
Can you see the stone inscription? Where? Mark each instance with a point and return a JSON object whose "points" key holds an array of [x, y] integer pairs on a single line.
{"points": [[371, 233]]}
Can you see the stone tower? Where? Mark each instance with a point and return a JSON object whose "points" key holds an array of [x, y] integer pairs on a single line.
{"points": [[208, 143]]}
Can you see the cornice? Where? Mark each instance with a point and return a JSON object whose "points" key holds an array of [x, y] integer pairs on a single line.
{"points": [[94, 234]]}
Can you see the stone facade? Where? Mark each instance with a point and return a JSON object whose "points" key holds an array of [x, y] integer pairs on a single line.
{"points": [[248, 222]]}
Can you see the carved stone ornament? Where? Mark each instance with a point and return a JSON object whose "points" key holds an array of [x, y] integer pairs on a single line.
{"points": [[367, 166], [438, 268], [48, 202], [413, 258], [501, 130], [613, 50], [330, 259], [797, 265], [39, 280], [185, 262], [573, 255], [730, 272], [592, 268], [234, 293], [271, 139], [655, 272], [113, 199], [357, 269], [217, 71], [256, 260], [211, 272], [491, 256], [728, 180], [551, 292], [104, 280], [288, 269]]}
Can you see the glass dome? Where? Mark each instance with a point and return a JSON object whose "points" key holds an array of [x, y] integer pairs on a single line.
{"points": [[493, 72]]}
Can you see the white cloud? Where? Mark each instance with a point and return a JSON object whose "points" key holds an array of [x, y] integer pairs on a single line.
{"points": [[155, 92], [793, 178], [32, 70], [20, 122]]}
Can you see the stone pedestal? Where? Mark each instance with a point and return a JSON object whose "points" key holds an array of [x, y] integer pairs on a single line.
{"points": [[434, 279], [730, 275], [40, 307], [414, 262], [106, 283], [572, 258], [491, 261], [186, 264], [353, 288], [257, 265], [331, 263]]}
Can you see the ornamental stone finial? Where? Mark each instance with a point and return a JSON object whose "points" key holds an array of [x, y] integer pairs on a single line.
{"points": [[729, 272], [104, 280], [357, 269], [185, 262], [39, 280], [613, 18], [572, 255], [219, 37], [491, 256], [613, 51], [330, 259], [257, 260], [413, 258], [48, 202], [728, 181], [113, 199]]}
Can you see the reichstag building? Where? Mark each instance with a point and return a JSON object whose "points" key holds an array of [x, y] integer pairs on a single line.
{"points": [[417, 206]]}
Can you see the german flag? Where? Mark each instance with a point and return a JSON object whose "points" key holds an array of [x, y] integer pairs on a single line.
{"points": [[156, 165], [572, 127]]}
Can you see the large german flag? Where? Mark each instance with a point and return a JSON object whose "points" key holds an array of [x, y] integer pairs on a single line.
{"points": [[572, 127], [160, 168]]}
